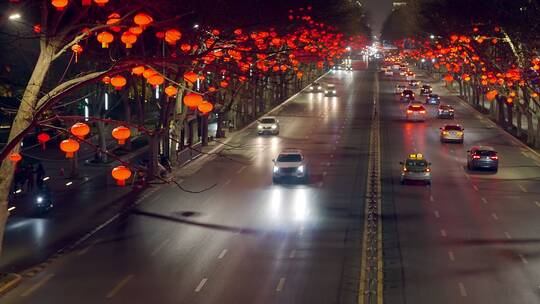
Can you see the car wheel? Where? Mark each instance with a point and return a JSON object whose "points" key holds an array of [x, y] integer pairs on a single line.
{"points": [[428, 183]]}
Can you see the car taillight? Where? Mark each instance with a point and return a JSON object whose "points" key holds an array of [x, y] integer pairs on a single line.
{"points": [[494, 157], [422, 112], [476, 157], [404, 169], [428, 170], [445, 132], [409, 111]]}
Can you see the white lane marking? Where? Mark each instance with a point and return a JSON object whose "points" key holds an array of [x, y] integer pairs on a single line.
{"points": [[437, 215], [523, 259], [331, 155], [451, 256], [34, 287], [443, 232], [159, 247], [462, 289], [508, 236], [241, 169], [537, 203], [475, 188], [222, 254], [324, 173], [494, 216], [280, 285], [85, 250], [484, 200], [292, 254], [119, 286], [201, 285], [320, 184], [522, 188], [431, 198]]}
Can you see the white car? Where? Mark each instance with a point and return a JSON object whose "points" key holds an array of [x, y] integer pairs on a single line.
{"points": [[315, 87], [268, 125], [290, 163], [330, 90]]}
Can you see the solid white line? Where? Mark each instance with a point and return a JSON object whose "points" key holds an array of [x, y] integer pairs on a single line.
{"points": [[280, 284], [119, 286], [495, 217], [443, 232], [437, 215], [508, 236], [201, 285], [484, 200], [37, 285], [522, 188], [462, 289], [159, 247], [537, 203], [451, 256], [431, 198], [523, 259], [85, 250], [241, 169], [475, 188], [292, 254], [324, 173], [222, 254]]}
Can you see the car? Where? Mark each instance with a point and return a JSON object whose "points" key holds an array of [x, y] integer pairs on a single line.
{"points": [[433, 99], [402, 71], [416, 112], [330, 90], [445, 111], [399, 88], [452, 133], [425, 90], [349, 67], [388, 73], [315, 87], [482, 157], [268, 125], [415, 168], [413, 83], [291, 164], [410, 75], [407, 96]]}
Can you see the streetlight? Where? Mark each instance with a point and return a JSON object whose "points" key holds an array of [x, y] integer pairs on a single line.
{"points": [[14, 16]]}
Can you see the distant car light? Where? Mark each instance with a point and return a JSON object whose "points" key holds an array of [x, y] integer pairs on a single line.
{"points": [[274, 127], [39, 199], [276, 169], [300, 169]]}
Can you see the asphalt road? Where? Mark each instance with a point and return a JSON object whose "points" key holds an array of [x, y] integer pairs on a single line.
{"points": [[472, 237], [246, 240]]}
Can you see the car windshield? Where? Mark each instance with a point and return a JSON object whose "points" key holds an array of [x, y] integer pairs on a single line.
{"points": [[407, 92], [289, 158], [268, 120], [426, 87], [453, 128], [330, 86], [433, 96], [416, 163]]}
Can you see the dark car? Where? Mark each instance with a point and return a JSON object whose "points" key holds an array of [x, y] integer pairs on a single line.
{"points": [[426, 90], [407, 96], [445, 111], [433, 99], [482, 157]]}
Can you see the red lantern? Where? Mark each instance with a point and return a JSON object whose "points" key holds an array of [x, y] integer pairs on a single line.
{"points": [[86, 2], [142, 20], [15, 157], [156, 80], [192, 100], [80, 130], [59, 4], [205, 107], [491, 95], [106, 80], [191, 77], [172, 36], [223, 84], [77, 49], [149, 73], [43, 138], [101, 2], [121, 174], [136, 30], [129, 39], [118, 82], [448, 78], [114, 20], [69, 146], [185, 47], [105, 38], [121, 133], [138, 70], [171, 91]]}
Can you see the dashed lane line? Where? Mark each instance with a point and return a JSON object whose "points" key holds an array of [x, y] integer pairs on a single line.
{"points": [[522, 188], [462, 290], [201, 285], [508, 236], [119, 286], [484, 200], [475, 187], [523, 259], [222, 254], [280, 285], [431, 199], [494, 216], [292, 255], [436, 213], [159, 247], [241, 169], [36, 286], [537, 203], [443, 233], [451, 256]]}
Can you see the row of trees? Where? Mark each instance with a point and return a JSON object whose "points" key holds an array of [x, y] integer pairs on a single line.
{"points": [[488, 48], [150, 60]]}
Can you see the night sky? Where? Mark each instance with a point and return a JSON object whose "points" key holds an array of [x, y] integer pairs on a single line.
{"points": [[378, 9]]}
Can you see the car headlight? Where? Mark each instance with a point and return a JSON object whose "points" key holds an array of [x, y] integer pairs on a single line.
{"points": [[318, 88], [276, 169], [259, 127], [311, 87], [325, 92], [39, 200], [274, 127], [300, 169]]}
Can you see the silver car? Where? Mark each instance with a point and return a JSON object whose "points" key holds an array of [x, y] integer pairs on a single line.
{"points": [[452, 133], [268, 125], [330, 90], [290, 164], [482, 157]]}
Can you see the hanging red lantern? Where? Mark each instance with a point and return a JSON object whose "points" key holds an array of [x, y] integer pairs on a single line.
{"points": [[136, 30], [156, 80], [106, 80], [37, 28], [172, 36], [77, 49], [15, 157], [149, 73], [69, 146], [86, 2], [466, 77], [114, 21], [80, 130], [205, 107], [43, 138], [118, 82], [185, 47], [137, 70], [101, 2], [448, 78], [190, 77], [105, 38], [60, 5], [129, 39], [490, 95], [171, 91], [142, 20], [121, 174], [192, 100], [224, 84], [121, 133]]}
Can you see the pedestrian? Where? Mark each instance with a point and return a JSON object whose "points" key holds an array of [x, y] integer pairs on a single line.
{"points": [[30, 176], [40, 174]]}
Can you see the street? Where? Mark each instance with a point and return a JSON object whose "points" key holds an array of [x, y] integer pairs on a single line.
{"points": [[245, 240]]}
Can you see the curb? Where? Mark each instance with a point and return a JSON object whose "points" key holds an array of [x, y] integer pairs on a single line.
{"points": [[8, 282]]}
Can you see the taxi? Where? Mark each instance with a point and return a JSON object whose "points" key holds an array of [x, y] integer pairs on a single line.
{"points": [[415, 168]]}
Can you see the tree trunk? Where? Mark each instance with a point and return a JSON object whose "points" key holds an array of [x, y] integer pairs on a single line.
{"points": [[102, 139], [531, 140], [537, 141], [22, 120]]}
